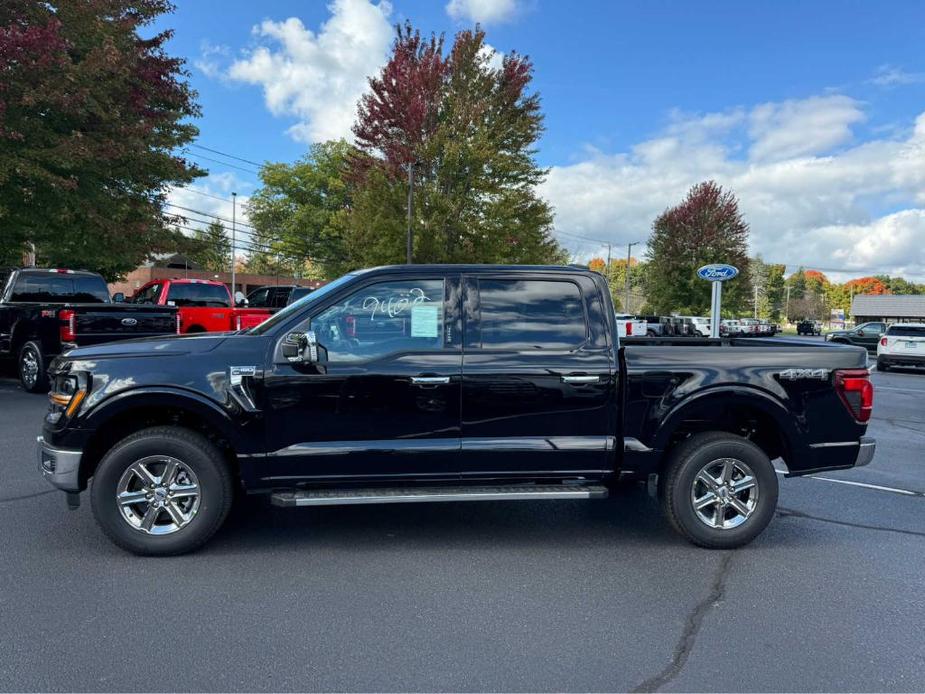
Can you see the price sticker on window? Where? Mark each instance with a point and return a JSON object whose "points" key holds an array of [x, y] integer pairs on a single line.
{"points": [[425, 320]]}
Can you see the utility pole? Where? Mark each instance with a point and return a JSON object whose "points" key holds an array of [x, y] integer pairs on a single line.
{"points": [[410, 241], [787, 310], [756, 301], [234, 207], [626, 301]]}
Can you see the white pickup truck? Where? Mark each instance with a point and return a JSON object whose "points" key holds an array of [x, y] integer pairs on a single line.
{"points": [[630, 326]]}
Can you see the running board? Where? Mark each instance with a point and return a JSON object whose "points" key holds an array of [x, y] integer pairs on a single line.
{"points": [[394, 495]]}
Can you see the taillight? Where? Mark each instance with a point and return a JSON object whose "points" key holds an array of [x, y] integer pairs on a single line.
{"points": [[238, 323], [351, 326], [883, 341], [629, 328], [68, 325], [856, 392], [179, 322]]}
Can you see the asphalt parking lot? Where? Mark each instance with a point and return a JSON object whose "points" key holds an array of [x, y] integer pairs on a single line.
{"points": [[517, 596]]}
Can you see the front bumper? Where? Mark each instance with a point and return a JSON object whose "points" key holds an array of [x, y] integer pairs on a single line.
{"points": [[61, 467], [865, 451]]}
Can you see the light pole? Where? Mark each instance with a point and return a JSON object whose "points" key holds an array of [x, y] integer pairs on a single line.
{"points": [[234, 207], [410, 240], [626, 301]]}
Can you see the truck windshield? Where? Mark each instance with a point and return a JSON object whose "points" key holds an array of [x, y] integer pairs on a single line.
{"points": [[60, 288], [299, 306]]}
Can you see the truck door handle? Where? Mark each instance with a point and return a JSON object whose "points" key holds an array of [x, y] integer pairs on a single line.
{"points": [[430, 380], [583, 378]]}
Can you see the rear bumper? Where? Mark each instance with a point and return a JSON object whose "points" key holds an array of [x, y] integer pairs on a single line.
{"points": [[865, 451], [60, 466], [901, 359]]}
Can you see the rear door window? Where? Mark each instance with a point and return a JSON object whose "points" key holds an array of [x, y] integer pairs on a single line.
{"points": [[906, 331], [524, 314], [195, 294], [59, 288]]}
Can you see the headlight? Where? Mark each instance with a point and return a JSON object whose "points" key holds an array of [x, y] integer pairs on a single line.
{"points": [[68, 392]]}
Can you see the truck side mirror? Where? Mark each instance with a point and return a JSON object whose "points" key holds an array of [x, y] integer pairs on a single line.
{"points": [[118, 298]]}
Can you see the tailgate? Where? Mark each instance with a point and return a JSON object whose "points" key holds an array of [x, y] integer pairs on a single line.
{"points": [[114, 321], [250, 318]]}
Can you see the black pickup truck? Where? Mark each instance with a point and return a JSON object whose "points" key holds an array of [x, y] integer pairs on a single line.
{"points": [[446, 383], [46, 312]]}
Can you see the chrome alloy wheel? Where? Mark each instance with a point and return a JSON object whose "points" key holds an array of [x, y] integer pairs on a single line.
{"points": [[158, 495], [724, 493], [29, 367]]}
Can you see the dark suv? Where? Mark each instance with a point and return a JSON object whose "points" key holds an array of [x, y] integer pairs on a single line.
{"points": [[865, 335], [276, 296]]}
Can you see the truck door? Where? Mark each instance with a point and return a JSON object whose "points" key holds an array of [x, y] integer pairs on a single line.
{"points": [[538, 392], [383, 399]]}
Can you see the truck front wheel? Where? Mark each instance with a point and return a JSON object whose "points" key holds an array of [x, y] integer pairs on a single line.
{"points": [[162, 491], [718, 490]]}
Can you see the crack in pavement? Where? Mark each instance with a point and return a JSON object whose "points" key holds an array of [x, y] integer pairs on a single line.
{"points": [[691, 628], [26, 496], [793, 513]]}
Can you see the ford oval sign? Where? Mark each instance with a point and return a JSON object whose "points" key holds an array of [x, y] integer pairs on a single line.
{"points": [[129, 322], [717, 272]]}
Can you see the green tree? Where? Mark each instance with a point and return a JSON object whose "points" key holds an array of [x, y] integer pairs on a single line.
{"points": [[300, 211], [211, 248], [91, 114], [776, 289], [706, 227], [469, 132]]}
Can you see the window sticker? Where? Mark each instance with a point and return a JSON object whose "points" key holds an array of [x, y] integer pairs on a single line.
{"points": [[425, 320]]}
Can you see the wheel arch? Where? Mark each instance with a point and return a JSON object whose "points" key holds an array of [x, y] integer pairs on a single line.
{"points": [[129, 412], [749, 412]]}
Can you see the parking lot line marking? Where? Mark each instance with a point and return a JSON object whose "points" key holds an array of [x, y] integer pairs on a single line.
{"points": [[900, 390], [907, 492]]}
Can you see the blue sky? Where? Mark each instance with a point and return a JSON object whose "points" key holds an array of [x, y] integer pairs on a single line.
{"points": [[807, 110]]}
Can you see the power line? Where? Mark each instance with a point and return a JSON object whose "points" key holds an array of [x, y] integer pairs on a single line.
{"points": [[225, 154], [192, 155], [205, 195]]}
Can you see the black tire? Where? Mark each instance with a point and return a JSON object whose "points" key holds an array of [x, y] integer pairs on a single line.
{"points": [[216, 490], [882, 365], [31, 366], [677, 481]]}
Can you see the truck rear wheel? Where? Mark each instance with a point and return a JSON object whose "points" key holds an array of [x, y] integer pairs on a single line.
{"points": [[162, 491], [718, 490], [32, 374]]}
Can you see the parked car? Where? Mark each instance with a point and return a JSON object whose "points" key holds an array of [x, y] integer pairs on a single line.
{"points": [[764, 328], [46, 312], [681, 326], [276, 296], [902, 345], [730, 327], [656, 326], [205, 306], [748, 327], [700, 325], [809, 327], [630, 326], [445, 383], [866, 335]]}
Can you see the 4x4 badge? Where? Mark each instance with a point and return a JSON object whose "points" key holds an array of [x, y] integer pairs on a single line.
{"points": [[801, 374]]}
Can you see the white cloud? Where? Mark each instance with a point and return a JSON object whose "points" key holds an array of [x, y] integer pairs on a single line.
{"points": [[318, 77], [210, 198], [210, 58], [809, 126], [482, 11], [860, 207], [495, 57], [892, 76]]}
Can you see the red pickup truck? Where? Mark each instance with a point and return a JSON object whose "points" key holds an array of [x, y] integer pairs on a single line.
{"points": [[204, 306]]}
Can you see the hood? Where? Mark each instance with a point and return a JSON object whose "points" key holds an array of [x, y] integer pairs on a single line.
{"points": [[167, 345]]}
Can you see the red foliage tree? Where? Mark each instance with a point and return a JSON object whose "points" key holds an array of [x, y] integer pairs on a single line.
{"points": [[867, 285]]}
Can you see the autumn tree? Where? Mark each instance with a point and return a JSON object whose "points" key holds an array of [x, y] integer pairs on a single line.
{"points": [[706, 227], [468, 131], [867, 285], [91, 115]]}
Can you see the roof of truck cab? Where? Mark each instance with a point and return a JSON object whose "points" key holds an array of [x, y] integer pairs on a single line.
{"points": [[472, 268]]}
